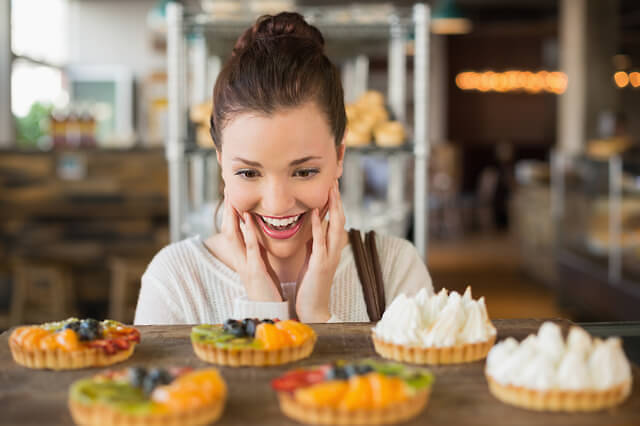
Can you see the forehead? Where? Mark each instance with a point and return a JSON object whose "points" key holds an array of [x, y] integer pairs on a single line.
{"points": [[286, 135]]}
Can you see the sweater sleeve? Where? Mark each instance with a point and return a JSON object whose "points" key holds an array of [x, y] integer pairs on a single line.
{"points": [[403, 270], [156, 303], [245, 308]]}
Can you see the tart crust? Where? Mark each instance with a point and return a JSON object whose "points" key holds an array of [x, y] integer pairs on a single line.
{"points": [[559, 399], [466, 352], [239, 357], [100, 414], [57, 359], [392, 413]]}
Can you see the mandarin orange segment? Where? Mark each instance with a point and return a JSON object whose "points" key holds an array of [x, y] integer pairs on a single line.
{"points": [[19, 333], [190, 390], [68, 340], [48, 342], [358, 395], [272, 337], [329, 393], [298, 332], [31, 338], [386, 390]]}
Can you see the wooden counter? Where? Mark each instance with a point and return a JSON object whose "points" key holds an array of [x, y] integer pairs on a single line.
{"points": [[460, 394]]}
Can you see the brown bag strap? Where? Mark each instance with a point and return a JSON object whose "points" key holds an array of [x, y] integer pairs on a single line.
{"points": [[369, 271], [370, 243]]}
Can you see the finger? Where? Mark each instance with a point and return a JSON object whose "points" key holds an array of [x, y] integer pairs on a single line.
{"points": [[339, 206], [251, 242], [336, 222], [319, 245], [236, 230]]}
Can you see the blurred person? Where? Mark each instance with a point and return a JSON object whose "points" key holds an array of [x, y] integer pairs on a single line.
{"points": [[278, 125]]}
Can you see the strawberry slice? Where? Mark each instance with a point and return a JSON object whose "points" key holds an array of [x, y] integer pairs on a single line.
{"points": [[121, 343], [295, 379]]}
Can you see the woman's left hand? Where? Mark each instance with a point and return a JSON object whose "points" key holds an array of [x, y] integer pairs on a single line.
{"points": [[323, 255]]}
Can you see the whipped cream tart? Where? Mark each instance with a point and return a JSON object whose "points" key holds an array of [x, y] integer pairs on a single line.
{"points": [[545, 372], [444, 328]]}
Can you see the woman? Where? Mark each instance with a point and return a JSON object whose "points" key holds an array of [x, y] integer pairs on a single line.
{"points": [[278, 125]]}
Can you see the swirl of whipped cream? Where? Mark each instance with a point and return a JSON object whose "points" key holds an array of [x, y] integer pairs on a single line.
{"points": [[402, 322], [608, 364], [544, 361], [441, 320]]}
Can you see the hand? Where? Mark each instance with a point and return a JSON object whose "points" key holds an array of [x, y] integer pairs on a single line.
{"points": [[249, 257], [323, 255]]}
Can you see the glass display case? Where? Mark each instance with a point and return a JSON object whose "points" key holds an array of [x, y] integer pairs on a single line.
{"points": [[597, 219]]}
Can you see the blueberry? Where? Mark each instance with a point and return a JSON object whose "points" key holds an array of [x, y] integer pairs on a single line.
{"points": [[89, 329], [228, 323], [363, 369], [350, 370], [155, 377], [90, 323], [136, 376], [73, 325], [234, 328], [336, 373], [268, 321], [250, 325]]}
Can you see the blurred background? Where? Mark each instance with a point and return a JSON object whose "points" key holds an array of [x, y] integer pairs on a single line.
{"points": [[527, 128]]}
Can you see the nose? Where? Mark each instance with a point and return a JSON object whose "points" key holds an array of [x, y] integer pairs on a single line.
{"points": [[277, 198]]}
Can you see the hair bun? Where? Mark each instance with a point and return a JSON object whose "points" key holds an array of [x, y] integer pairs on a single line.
{"points": [[284, 24]]}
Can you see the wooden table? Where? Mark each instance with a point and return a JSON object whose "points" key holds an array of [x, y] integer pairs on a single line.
{"points": [[460, 394]]}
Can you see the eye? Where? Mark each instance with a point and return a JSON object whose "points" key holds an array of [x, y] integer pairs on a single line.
{"points": [[247, 173], [306, 173]]}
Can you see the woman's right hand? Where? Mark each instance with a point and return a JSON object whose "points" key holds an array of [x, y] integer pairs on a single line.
{"points": [[249, 257]]}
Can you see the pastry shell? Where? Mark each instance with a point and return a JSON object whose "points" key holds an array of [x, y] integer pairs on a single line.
{"points": [[392, 413], [239, 357], [559, 399], [100, 414], [57, 359], [466, 352]]}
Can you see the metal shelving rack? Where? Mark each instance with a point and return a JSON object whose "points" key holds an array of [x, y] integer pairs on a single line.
{"points": [[187, 165]]}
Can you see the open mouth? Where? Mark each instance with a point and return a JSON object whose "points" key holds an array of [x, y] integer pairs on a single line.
{"points": [[281, 228]]}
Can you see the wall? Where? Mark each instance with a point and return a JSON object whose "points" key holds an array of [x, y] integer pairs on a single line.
{"points": [[489, 118], [108, 32]]}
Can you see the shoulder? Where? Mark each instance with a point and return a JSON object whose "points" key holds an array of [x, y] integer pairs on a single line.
{"points": [[391, 247], [174, 257], [403, 269]]}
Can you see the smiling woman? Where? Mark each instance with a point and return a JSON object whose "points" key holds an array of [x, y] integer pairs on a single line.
{"points": [[278, 124]]}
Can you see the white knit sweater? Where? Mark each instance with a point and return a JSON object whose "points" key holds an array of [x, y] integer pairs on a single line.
{"points": [[186, 284]]}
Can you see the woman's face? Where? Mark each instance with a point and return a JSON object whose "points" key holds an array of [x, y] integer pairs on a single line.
{"points": [[278, 168]]}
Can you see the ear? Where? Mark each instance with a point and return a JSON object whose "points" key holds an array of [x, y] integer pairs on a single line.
{"points": [[340, 150]]}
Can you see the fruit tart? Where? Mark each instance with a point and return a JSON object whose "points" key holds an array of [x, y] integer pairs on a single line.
{"points": [[361, 392], [73, 343], [175, 396], [445, 328], [253, 342], [543, 372]]}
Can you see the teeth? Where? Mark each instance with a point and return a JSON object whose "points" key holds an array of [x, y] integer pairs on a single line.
{"points": [[281, 222]]}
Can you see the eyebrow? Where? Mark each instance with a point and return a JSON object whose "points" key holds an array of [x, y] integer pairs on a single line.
{"points": [[293, 163]]}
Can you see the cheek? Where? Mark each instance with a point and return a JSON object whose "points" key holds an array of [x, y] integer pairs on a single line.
{"points": [[240, 197], [316, 195]]}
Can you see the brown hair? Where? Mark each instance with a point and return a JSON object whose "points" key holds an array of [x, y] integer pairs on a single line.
{"points": [[277, 63]]}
